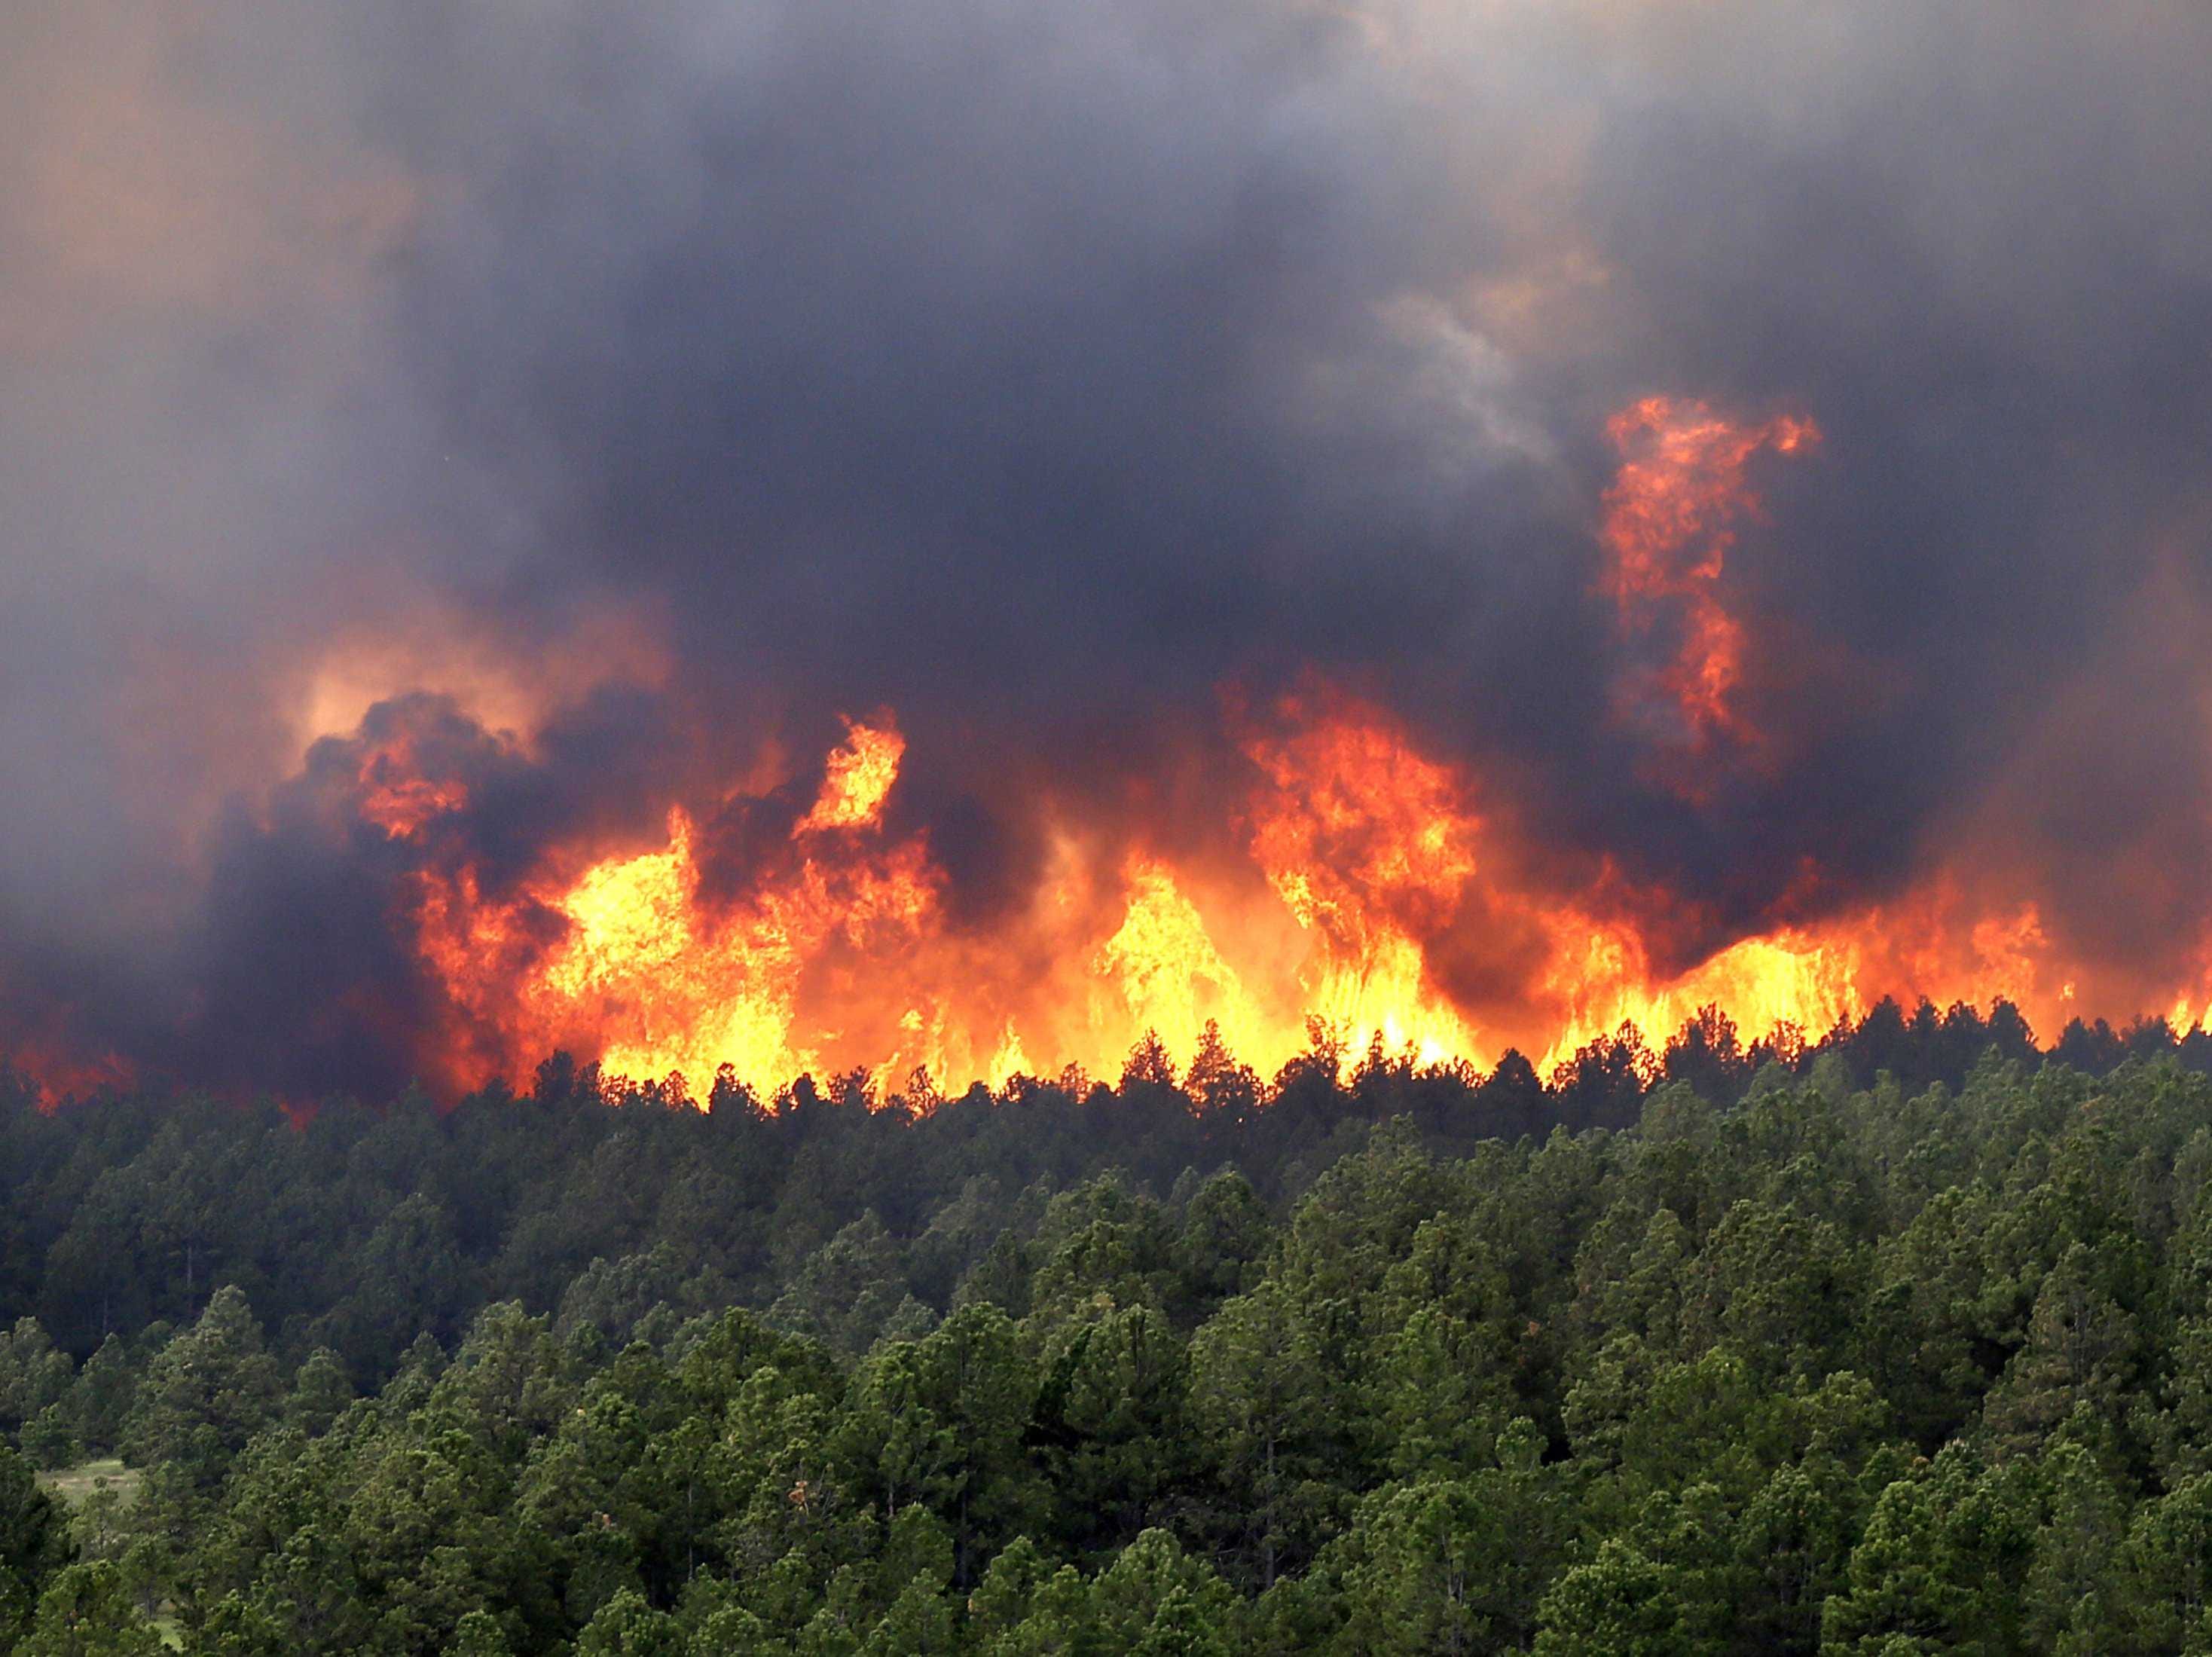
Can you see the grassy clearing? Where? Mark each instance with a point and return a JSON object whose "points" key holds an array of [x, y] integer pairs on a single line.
{"points": [[75, 1485]]}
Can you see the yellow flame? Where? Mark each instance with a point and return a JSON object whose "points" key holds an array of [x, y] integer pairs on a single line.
{"points": [[860, 774]]}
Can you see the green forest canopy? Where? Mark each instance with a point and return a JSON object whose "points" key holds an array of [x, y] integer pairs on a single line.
{"points": [[1901, 1344]]}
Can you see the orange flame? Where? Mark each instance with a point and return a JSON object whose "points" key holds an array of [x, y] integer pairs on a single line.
{"points": [[860, 775], [396, 796], [1383, 891], [1388, 892], [1670, 518], [1376, 892], [1370, 848], [645, 974]]}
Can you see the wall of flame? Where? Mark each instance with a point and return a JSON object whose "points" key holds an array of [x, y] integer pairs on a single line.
{"points": [[1380, 889]]}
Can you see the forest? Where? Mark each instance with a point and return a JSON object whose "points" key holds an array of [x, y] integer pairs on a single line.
{"points": [[1895, 1342]]}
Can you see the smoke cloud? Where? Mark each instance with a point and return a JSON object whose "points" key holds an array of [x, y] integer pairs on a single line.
{"points": [[605, 403]]}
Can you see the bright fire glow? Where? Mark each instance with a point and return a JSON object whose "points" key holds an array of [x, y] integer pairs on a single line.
{"points": [[860, 775], [1364, 881], [1375, 894]]}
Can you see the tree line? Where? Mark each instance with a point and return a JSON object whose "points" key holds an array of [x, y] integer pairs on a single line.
{"points": [[1897, 1342]]}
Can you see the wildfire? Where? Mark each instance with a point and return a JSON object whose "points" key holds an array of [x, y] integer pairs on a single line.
{"points": [[396, 795], [1378, 891], [1165, 967], [1393, 894], [1670, 517], [1371, 849], [860, 775], [653, 979], [1378, 894]]}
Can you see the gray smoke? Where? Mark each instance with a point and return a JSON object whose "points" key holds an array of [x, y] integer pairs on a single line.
{"points": [[1037, 371]]}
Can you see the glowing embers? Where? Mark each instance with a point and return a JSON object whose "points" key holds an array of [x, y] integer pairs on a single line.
{"points": [[400, 799], [1669, 523]]}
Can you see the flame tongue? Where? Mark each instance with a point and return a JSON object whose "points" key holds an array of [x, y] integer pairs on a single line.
{"points": [[859, 777], [1670, 518], [1372, 849], [646, 976]]}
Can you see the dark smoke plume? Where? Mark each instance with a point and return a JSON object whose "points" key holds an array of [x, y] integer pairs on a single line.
{"points": [[1050, 374]]}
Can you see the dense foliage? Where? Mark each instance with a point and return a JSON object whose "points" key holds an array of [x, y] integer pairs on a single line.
{"points": [[1902, 1343]]}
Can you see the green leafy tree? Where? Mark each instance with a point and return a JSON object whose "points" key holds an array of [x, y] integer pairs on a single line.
{"points": [[479, 1635], [1145, 1578], [2163, 1587], [849, 1291], [1791, 1542], [86, 1611], [1258, 1397], [33, 1376], [2069, 1602], [977, 1379], [626, 1626], [100, 1402], [2081, 1352], [33, 1540], [49, 1438], [1452, 1566], [918, 1624], [1026, 1605], [1184, 1625], [1225, 1233], [319, 1394], [1942, 1563], [208, 1390], [1622, 1604], [1111, 1415]]}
